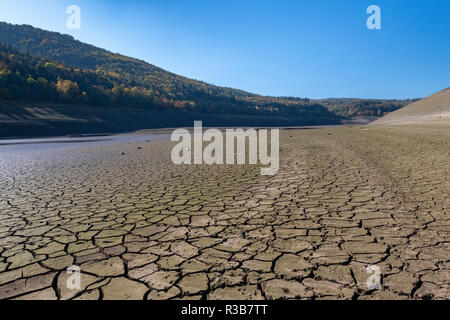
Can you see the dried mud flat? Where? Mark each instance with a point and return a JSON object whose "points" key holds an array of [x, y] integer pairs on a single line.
{"points": [[142, 228]]}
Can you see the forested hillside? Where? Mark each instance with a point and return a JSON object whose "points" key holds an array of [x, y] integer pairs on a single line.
{"points": [[38, 65], [364, 107], [78, 72]]}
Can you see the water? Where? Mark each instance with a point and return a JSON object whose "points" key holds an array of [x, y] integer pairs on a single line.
{"points": [[17, 146]]}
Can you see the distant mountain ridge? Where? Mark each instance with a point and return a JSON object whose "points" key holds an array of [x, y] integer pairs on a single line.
{"points": [[161, 87], [352, 107]]}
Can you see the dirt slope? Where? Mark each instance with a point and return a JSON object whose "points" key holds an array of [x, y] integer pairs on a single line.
{"points": [[434, 107]]}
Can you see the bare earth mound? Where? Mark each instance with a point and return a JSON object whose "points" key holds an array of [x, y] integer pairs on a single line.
{"points": [[434, 107]]}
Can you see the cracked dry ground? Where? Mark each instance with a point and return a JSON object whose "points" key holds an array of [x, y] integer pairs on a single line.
{"points": [[142, 228]]}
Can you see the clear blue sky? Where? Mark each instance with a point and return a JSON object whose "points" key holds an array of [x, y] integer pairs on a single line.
{"points": [[313, 49]]}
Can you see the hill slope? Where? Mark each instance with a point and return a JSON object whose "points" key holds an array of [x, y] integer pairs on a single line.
{"points": [[350, 107], [154, 86], [434, 107]]}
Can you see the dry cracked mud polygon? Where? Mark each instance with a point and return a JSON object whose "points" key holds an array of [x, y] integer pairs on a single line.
{"points": [[140, 227]]}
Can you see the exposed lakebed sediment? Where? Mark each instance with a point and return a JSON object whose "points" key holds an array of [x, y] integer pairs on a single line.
{"points": [[140, 227]]}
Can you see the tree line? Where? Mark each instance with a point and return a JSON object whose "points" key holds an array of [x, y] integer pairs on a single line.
{"points": [[49, 66], [29, 78]]}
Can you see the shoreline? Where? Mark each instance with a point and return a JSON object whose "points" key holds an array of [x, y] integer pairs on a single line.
{"points": [[40, 120], [162, 131]]}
